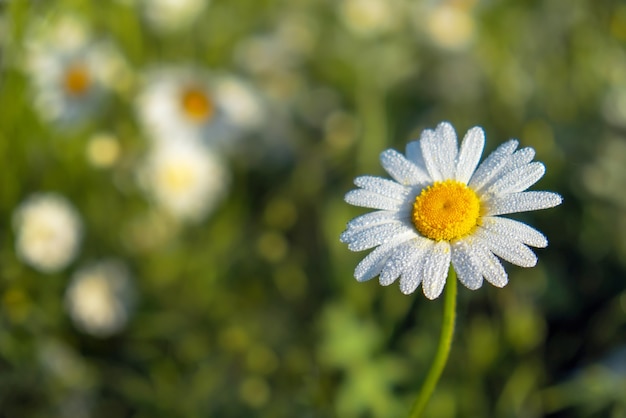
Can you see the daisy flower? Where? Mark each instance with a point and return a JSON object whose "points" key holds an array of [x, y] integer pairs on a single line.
{"points": [[48, 232], [370, 17], [449, 25], [99, 298], [440, 209], [184, 104], [185, 178], [70, 73], [172, 15]]}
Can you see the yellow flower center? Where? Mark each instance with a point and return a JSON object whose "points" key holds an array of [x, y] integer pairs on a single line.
{"points": [[446, 210], [177, 177], [76, 80], [197, 105]]}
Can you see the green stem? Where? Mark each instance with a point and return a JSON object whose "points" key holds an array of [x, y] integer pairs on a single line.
{"points": [[445, 341]]}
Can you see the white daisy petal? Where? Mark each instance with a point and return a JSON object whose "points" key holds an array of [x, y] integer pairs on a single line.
{"points": [[518, 159], [377, 235], [374, 218], [466, 269], [522, 202], [412, 276], [518, 180], [491, 268], [404, 259], [355, 234], [395, 264], [427, 142], [510, 250], [411, 279], [435, 269], [414, 154], [369, 199], [515, 230], [439, 149], [471, 150], [371, 265], [383, 187], [489, 168], [401, 169], [448, 149]]}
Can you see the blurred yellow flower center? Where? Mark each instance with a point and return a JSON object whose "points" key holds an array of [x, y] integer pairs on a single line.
{"points": [[197, 105], [177, 177], [39, 230], [446, 210], [76, 80]]}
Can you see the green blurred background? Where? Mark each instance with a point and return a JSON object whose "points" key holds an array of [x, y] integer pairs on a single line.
{"points": [[254, 311]]}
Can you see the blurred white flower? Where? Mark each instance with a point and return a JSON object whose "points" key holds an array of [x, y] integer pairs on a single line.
{"points": [[69, 72], [449, 25], [606, 176], [241, 104], [183, 104], [48, 232], [172, 15], [370, 17], [99, 298], [289, 43], [614, 105], [185, 178], [65, 32]]}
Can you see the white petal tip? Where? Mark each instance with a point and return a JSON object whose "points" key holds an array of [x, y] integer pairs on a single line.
{"points": [[409, 286], [499, 280], [431, 296], [541, 168], [427, 134], [362, 278], [386, 154], [406, 291], [473, 286], [476, 130], [558, 199], [445, 125], [356, 245], [553, 199], [432, 290], [531, 263]]}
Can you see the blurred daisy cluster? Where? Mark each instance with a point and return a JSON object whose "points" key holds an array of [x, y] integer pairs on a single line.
{"points": [[172, 197]]}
